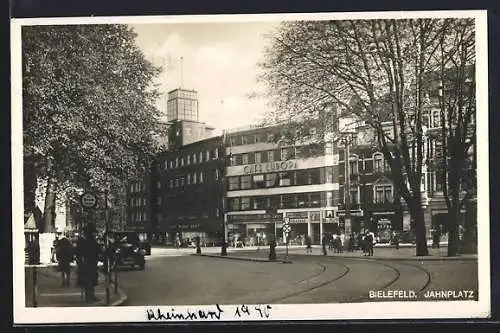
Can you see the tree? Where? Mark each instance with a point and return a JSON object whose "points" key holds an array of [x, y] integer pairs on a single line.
{"points": [[455, 75], [89, 114], [372, 69]]}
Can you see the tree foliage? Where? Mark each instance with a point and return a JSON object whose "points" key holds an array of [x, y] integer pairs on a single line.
{"points": [[375, 70], [89, 114]]}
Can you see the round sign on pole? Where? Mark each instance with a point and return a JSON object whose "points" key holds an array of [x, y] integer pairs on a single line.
{"points": [[88, 200], [286, 228]]}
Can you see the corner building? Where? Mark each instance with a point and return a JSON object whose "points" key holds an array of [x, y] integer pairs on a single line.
{"points": [[265, 179]]}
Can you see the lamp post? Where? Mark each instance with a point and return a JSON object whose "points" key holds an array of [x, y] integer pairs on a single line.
{"points": [[347, 183], [226, 162]]}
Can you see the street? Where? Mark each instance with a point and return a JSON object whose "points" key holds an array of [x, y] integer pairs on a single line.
{"points": [[179, 278]]}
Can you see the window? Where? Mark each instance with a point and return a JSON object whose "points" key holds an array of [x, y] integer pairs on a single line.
{"points": [[285, 178], [284, 154], [302, 200], [329, 199], [329, 175], [246, 182], [258, 157], [245, 203], [194, 178], [176, 182], [259, 202], [176, 162], [216, 153], [181, 182], [171, 164], [378, 163], [201, 157], [271, 179], [256, 138], [166, 164], [171, 183], [270, 156], [194, 158], [258, 181], [436, 118], [353, 167], [158, 184], [298, 151], [217, 212], [188, 179], [233, 160], [244, 159], [144, 202], [270, 137], [244, 140], [217, 174], [158, 201], [315, 200], [232, 141], [188, 160], [207, 154], [201, 177], [235, 204], [382, 193], [234, 183], [354, 196]]}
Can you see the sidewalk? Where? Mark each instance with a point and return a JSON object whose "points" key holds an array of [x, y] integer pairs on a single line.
{"points": [[382, 253], [50, 292]]}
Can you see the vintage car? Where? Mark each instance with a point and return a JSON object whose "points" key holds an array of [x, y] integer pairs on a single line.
{"points": [[127, 254]]}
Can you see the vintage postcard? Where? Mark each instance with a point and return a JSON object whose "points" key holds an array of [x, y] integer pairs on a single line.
{"points": [[250, 167]]}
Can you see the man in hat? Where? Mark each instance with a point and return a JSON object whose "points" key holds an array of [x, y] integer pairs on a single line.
{"points": [[87, 256], [65, 255]]}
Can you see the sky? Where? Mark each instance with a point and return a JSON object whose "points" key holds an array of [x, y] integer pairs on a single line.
{"points": [[219, 60]]}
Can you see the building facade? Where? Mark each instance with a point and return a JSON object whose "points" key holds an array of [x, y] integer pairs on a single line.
{"points": [[267, 182], [187, 193]]}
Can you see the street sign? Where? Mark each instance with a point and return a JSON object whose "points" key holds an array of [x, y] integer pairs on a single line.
{"points": [[88, 200], [287, 228]]}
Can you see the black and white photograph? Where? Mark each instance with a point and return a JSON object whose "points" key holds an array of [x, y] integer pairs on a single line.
{"points": [[250, 167]]}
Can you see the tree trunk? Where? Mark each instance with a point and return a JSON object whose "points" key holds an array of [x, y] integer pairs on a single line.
{"points": [[49, 211], [420, 232], [470, 245], [30, 184], [453, 217]]}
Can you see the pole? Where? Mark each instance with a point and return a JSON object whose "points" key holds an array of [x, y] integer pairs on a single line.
{"points": [[35, 286], [106, 247], [347, 219]]}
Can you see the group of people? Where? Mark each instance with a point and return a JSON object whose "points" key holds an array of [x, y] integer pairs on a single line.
{"points": [[364, 241], [86, 253]]}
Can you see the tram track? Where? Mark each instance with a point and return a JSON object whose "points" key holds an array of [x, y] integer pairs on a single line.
{"points": [[401, 279]]}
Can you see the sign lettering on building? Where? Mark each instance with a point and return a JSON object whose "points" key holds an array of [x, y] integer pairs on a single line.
{"points": [[255, 217], [270, 167]]}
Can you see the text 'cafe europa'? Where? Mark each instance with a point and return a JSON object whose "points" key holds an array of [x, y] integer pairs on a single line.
{"points": [[270, 167]]}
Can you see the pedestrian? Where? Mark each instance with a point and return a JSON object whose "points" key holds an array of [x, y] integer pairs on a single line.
{"points": [[370, 242], [436, 238], [323, 242], [341, 242], [54, 250], [65, 257], [87, 254], [308, 244], [351, 243], [396, 239]]}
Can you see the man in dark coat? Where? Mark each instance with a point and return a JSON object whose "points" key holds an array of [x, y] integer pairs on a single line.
{"points": [[87, 257], [65, 257]]}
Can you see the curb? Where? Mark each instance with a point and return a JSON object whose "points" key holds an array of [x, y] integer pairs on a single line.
{"points": [[408, 258], [123, 298], [236, 258]]}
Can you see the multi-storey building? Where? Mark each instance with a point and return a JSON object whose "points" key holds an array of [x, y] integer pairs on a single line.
{"points": [[268, 182], [187, 193], [138, 212]]}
